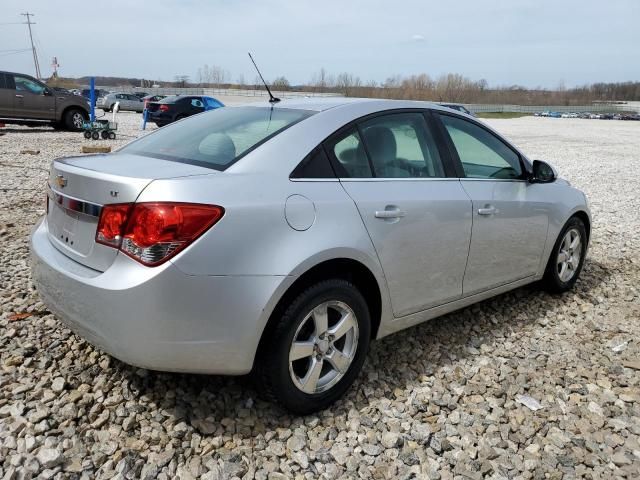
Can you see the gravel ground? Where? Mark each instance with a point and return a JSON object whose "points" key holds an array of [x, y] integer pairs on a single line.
{"points": [[442, 400]]}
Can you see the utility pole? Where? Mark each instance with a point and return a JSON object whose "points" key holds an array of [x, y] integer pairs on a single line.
{"points": [[33, 47]]}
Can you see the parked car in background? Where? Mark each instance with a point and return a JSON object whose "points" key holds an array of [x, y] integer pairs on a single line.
{"points": [[27, 101], [176, 107], [86, 93], [252, 239], [458, 107], [152, 98], [128, 101]]}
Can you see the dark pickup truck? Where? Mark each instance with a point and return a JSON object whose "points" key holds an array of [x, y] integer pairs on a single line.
{"points": [[27, 101]]}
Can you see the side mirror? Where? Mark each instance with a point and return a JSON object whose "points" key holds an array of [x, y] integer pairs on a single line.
{"points": [[47, 92], [542, 172]]}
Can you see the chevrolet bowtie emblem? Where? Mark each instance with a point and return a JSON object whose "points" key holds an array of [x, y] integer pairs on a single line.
{"points": [[62, 182]]}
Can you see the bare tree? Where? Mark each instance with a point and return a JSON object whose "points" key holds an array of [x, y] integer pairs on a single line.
{"points": [[219, 75], [281, 83], [181, 80]]}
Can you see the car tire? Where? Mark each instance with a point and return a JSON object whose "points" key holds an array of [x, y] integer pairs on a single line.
{"points": [[567, 257], [74, 119], [329, 358]]}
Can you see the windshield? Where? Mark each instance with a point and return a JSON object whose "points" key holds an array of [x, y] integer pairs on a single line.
{"points": [[218, 138]]}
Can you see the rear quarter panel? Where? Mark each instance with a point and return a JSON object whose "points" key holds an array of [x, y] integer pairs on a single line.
{"points": [[255, 239]]}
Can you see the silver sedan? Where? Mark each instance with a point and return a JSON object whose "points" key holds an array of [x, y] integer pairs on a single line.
{"points": [[281, 239]]}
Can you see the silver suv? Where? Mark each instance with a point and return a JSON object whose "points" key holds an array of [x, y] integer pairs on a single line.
{"points": [[27, 101]]}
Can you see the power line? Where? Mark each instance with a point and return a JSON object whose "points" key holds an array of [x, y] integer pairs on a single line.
{"points": [[14, 52], [35, 56]]}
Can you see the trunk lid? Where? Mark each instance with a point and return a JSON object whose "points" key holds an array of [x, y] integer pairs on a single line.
{"points": [[78, 187]]}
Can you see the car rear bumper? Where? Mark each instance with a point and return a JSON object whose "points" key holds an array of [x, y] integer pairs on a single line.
{"points": [[159, 117], [158, 318]]}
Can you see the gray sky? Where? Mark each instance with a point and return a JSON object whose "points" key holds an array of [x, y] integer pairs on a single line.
{"points": [[526, 42]]}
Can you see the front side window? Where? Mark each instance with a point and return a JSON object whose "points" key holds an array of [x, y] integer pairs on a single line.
{"points": [[197, 103], [483, 155], [400, 145], [24, 84], [218, 138]]}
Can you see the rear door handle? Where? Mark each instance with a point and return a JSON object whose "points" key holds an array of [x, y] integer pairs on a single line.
{"points": [[487, 210], [390, 213], [19, 96]]}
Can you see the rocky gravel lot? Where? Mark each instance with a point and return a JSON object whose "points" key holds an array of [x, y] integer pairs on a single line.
{"points": [[443, 400]]}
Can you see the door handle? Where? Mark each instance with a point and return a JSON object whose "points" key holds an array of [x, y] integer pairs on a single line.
{"points": [[487, 210], [390, 213], [19, 96]]}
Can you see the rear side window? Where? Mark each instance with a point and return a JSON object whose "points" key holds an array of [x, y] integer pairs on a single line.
{"points": [[314, 165], [400, 145], [350, 156], [217, 138], [2, 81], [483, 155]]}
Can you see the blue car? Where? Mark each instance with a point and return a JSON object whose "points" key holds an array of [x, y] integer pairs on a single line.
{"points": [[176, 107]]}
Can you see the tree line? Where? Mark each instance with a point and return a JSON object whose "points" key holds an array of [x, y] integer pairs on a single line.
{"points": [[450, 87]]}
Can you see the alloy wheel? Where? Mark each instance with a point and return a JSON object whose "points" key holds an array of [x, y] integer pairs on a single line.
{"points": [[323, 347], [78, 120], [569, 255]]}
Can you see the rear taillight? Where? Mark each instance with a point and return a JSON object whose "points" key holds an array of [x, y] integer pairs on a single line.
{"points": [[113, 219], [151, 233], [163, 108]]}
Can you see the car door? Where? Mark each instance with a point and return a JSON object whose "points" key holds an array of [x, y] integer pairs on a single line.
{"points": [[33, 99], [414, 209], [122, 99], [510, 214], [135, 102], [6, 97]]}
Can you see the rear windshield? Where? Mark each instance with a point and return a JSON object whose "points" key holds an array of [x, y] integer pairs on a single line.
{"points": [[217, 138], [170, 99]]}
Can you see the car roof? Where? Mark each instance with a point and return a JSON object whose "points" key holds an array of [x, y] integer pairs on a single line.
{"points": [[320, 104]]}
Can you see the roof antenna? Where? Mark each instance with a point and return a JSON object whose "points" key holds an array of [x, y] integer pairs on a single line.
{"points": [[272, 99]]}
